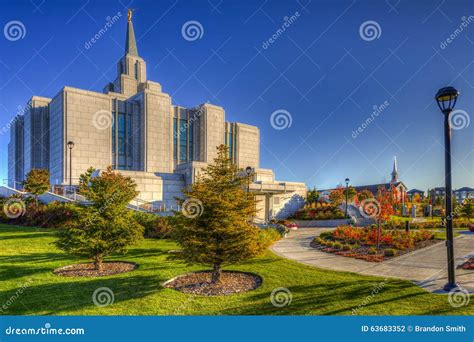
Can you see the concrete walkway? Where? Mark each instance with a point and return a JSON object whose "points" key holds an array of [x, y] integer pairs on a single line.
{"points": [[425, 267]]}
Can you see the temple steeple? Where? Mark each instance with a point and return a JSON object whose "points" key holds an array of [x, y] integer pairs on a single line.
{"points": [[394, 171], [130, 42]]}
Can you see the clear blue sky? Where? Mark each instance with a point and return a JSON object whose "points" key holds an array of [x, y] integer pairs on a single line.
{"points": [[319, 69]]}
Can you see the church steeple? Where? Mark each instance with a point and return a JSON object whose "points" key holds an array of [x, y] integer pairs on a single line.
{"points": [[130, 43], [394, 171]]}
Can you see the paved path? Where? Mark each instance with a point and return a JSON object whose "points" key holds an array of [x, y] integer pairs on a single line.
{"points": [[425, 267]]}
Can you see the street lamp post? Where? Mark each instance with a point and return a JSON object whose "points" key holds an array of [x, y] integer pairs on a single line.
{"points": [[70, 145], [446, 99], [248, 171], [347, 194]]}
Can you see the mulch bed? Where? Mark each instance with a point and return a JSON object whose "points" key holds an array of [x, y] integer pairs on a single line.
{"points": [[88, 270], [199, 283], [362, 252]]}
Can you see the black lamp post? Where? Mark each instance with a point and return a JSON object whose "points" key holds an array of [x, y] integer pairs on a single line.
{"points": [[446, 99], [248, 171], [70, 145], [347, 194]]}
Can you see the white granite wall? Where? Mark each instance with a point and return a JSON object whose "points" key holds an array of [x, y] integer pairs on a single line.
{"points": [[92, 137], [248, 146], [158, 132]]}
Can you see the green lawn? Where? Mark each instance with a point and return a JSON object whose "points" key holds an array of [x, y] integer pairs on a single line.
{"points": [[27, 254]]}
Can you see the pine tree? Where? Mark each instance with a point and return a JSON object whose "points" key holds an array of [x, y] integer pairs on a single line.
{"points": [[214, 226], [106, 226]]}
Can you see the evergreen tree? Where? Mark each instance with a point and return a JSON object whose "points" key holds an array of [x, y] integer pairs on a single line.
{"points": [[214, 226], [106, 226]]}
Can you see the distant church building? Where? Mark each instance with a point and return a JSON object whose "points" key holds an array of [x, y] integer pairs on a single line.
{"points": [[395, 183], [135, 127]]}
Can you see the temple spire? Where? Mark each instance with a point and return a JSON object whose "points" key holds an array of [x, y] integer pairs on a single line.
{"points": [[130, 43], [395, 171]]}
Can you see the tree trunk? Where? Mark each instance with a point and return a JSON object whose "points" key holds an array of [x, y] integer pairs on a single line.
{"points": [[216, 273], [98, 263]]}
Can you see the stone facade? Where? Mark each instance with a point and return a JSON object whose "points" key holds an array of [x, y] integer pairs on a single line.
{"points": [[134, 127]]}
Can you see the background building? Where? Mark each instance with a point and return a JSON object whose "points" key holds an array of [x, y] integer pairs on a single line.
{"points": [[134, 127]]}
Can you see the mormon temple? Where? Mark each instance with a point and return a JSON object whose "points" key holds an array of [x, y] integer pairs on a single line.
{"points": [[134, 126]]}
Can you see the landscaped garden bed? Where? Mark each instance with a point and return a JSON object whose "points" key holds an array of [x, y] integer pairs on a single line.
{"points": [[89, 269], [319, 211], [370, 244], [200, 283]]}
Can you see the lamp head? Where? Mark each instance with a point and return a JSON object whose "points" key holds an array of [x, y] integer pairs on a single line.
{"points": [[446, 98]]}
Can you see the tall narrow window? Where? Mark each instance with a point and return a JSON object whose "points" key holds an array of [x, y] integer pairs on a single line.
{"points": [[114, 145], [182, 140], [191, 141], [175, 138], [136, 70]]}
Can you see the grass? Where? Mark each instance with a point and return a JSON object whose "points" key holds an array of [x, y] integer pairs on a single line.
{"points": [[28, 255]]}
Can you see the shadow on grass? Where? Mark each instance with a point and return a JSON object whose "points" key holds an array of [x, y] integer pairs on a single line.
{"points": [[8, 272], [27, 236], [341, 297], [33, 257], [67, 295]]}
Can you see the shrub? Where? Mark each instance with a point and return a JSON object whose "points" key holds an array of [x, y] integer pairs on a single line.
{"points": [[389, 252], [155, 226], [372, 251], [347, 247], [267, 237], [326, 235], [59, 215], [329, 244], [337, 245]]}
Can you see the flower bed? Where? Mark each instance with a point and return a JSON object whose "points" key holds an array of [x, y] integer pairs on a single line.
{"points": [[361, 243]]}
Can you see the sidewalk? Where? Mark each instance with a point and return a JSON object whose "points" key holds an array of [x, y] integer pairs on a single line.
{"points": [[425, 267]]}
